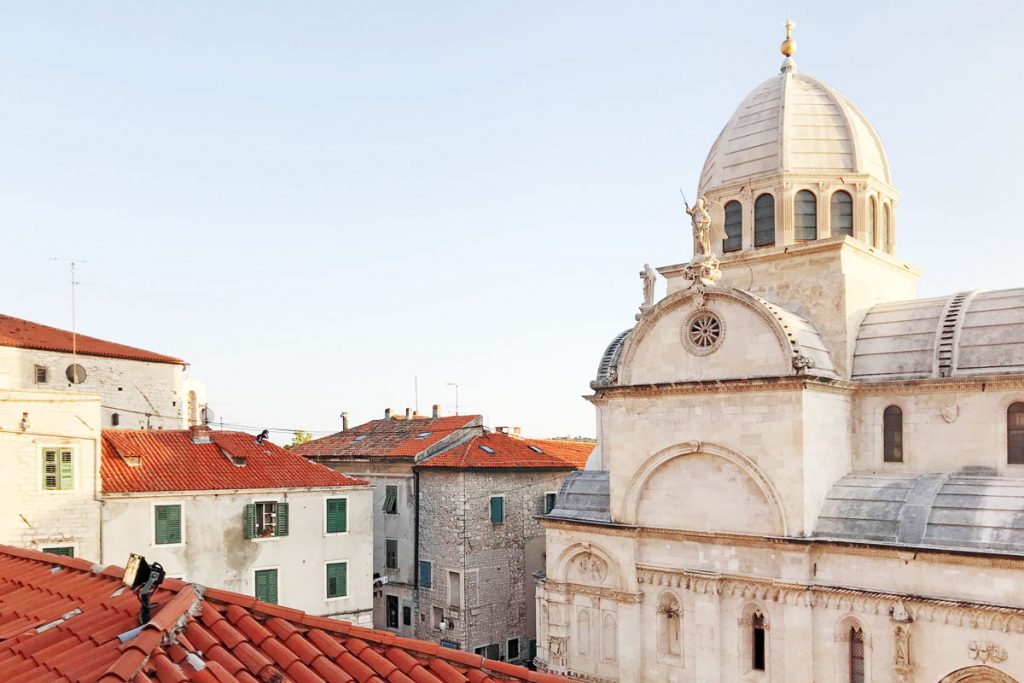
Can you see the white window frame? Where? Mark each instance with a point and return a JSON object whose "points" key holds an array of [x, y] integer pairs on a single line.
{"points": [[75, 471], [348, 591], [278, 568], [348, 516], [152, 523], [448, 589], [276, 501]]}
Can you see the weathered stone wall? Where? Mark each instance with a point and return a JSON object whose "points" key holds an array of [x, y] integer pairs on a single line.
{"points": [[33, 517], [216, 553], [144, 395]]}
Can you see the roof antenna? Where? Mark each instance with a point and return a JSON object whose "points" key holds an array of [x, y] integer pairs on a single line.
{"points": [[76, 377], [262, 435], [143, 578]]}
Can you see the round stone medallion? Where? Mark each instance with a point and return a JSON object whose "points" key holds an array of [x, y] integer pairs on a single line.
{"points": [[703, 332]]}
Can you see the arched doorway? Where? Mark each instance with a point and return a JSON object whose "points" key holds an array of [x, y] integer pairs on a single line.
{"points": [[978, 674]]}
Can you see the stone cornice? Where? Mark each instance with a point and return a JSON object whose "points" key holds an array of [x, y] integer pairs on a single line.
{"points": [[552, 586], [921, 608]]}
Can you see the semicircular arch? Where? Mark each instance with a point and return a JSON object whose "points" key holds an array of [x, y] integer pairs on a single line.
{"points": [[978, 674], [630, 506], [588, 564]]}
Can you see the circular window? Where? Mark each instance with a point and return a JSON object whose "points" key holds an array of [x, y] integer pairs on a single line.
{"points": [[703, 332], [75, 373]]}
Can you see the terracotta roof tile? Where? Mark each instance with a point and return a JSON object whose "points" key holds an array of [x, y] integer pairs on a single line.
{"points": [[220, 637], [25, 334], [499, 450], [170, 461], [391, 438]]}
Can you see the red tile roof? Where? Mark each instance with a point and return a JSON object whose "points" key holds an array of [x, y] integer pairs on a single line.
{"points": [[512, 453], [170, 461], [25, 334], [60, 619], [390, 438]]}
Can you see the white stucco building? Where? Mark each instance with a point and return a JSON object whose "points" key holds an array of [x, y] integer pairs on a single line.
{"points": [[139, 389], [803, 472], [221, 509]]}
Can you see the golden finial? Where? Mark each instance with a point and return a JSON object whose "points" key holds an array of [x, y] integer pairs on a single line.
{"points": [[789, 45]]}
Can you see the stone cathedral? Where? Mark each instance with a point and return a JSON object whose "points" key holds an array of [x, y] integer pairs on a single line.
{"points": [[804, 473]]}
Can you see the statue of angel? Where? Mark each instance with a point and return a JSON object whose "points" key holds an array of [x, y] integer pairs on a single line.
{"points": [[701, 219]]}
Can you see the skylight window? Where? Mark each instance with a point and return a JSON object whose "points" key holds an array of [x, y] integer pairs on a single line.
{"points": [[360, 437], [422, 435], [535, 449], [487, 449]]}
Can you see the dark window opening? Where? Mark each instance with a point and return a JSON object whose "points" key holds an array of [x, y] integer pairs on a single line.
{"points": [[390, 553], [549, 502], [733, 227], [41, 375], [764, 220], [757, 663], [892, 434], [856, 655], [1015, 434], [513, 649], [407, 615], [842, 214], [806, 216], [390, 500], [115, 419], [392, 611]]}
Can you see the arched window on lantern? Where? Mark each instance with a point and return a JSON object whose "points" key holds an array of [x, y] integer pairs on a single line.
{"points": [[887, 228], [764, 220], [869, 237], [805, 219], [1015, 434], [733, 227], [892, 434], [842, 213]]}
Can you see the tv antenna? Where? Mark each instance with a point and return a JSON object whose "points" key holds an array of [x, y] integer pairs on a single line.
{"points": [[457, 385], [74, 323]]}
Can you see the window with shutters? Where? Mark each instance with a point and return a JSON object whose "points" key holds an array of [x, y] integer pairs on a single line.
{"points": [[497, 509], [764, 221], [392, 610], [167, 525], [426, 574], [1015, 434], [892, 434], [390, 500], [337, 580], [549, 501], [266, 585], [337, 515], [390, 553], [733, 227], [406, 615], [58, 469], [42, 374], [805, 218], [265, 519], [842, 213], [63, 550]]}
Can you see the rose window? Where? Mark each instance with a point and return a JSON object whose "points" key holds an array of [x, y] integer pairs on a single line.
{"points": [[702, 332]]}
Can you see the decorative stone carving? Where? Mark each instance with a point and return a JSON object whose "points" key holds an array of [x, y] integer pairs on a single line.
{"points": [[649, 277], [702, 332], [986, 651], [801, 362], [901, 652], [951, 412], [591, 568], [703, 268], [556, 646]]}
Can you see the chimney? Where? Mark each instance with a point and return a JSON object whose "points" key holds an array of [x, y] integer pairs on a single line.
{"points": [[199, 434], [387, 413], [344, 422], [408, 413], [517, 432], [436, 413], [503, 430]]}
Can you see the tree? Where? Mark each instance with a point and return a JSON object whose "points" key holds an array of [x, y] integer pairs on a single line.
{"points": [[300, 437]]}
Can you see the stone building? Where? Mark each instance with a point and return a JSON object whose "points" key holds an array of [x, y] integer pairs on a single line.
{"points": [[139, 389], [803, 472], [480, 541], [383, 452], [223, 509]]}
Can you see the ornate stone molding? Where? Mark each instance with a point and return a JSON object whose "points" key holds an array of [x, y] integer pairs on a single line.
{"points": [[566, 587], [986, 651], [901, 608]]}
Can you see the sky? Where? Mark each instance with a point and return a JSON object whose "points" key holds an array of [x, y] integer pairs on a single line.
{"points": [[323, 206]]}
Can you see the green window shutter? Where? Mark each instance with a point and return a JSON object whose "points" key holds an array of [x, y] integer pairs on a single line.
{"points": [[337, 515], [67, 471], [497, 510], [50, 470], [249, 521], [266, 585], [426, 571], [168, 524], [337, 580], [66, 551], [282, 520]]}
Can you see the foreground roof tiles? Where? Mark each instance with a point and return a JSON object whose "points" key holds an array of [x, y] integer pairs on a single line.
{"points": [[499, 450], [170, 461], [25, 334], [390, 438], [60, 620]]}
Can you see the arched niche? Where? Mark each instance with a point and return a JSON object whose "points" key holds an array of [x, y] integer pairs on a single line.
{"points": [[699, 486], [589, 565], [978, 674]]}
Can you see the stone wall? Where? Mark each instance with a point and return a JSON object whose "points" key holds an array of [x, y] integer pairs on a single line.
{"points": [[143, 395], [31, 421]]}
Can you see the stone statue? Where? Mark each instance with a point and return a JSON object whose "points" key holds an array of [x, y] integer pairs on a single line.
{"points": [[701, 219], [648, 276]]}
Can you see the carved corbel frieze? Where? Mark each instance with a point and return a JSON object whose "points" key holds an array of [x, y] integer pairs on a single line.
{"points": [[986, 651]]}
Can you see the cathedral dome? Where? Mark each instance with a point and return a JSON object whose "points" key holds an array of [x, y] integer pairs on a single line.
{"points": [[794, 123]]}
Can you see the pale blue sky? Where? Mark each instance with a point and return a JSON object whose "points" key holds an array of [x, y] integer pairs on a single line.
{"points": [[314, 202]]}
